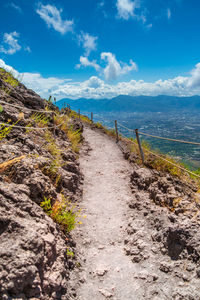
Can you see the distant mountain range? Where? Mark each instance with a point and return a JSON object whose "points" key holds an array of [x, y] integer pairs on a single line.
{"points": [[134, 104]]}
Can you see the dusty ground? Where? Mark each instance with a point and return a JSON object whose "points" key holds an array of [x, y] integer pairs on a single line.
{"points": [[125, 253]]}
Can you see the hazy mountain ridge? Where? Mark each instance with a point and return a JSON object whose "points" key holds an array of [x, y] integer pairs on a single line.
{"points": [[138, 103]]}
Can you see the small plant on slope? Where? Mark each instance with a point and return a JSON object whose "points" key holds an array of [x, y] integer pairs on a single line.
{"points": [[62, 212]]}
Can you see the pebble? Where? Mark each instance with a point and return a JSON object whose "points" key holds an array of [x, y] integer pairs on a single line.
{"points": [[100, 272], [190, 268], [185, 277], [165, 267], [101, 247], [155, 277], [106, 293]]}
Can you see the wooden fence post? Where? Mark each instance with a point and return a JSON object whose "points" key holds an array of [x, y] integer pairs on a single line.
{"points": [[140, 146], [92, 117], [116, 129]]}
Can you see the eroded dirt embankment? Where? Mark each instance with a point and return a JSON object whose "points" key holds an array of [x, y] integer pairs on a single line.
{"points": [[136, 242]]}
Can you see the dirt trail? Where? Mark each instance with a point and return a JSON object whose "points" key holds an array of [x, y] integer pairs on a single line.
{"points": [[107, 270], [122, 255]]}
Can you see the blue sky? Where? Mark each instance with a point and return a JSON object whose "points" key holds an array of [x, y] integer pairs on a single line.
{"points": [[102, 48]]}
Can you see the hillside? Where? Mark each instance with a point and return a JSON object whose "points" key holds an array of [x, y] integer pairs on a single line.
{"points": [[134, 104], [38, 167], [81, 218]]}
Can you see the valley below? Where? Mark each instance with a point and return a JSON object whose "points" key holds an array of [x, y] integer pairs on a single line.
{"points": [[182, 125], [165, 116]]}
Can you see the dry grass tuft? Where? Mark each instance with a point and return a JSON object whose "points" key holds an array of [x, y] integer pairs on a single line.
{"points": [[4, 166]]}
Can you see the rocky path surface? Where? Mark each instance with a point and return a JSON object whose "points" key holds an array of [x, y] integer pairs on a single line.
{"points": [[107, 270], [123, 257]]}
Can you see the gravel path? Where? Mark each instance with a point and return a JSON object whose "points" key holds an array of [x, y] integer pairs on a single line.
{"points": [[106, 193], [127, 244]]}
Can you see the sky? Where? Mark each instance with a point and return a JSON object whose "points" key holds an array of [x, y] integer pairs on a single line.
{"points": [[102, 48]]}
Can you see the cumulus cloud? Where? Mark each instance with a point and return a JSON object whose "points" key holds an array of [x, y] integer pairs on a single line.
{"points": [[52, 16], [88, 42], [10, 43], [113, 68], [97, 88], [126, 8], [84, 61], [194, 80], [94, 82]]}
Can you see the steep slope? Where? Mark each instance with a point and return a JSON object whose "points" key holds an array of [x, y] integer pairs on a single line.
{"points": [[36, 166]]}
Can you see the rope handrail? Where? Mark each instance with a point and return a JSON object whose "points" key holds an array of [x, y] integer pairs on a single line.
{"points": [[126, 138], [27, 127], [131, 130], [168, 161], [17, 106], [169, 139], [159, 137]]}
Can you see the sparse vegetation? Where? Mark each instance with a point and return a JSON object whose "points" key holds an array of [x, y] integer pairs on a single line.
{"points": [[62, 212], [5, 130], [109, 132], [74, 136], [70, 253], [52, 169], [164, 165], [46, 205], [8, 77]]}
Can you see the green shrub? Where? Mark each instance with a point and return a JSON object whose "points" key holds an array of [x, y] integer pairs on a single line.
{"points": [[62, 212], [46, 205]]}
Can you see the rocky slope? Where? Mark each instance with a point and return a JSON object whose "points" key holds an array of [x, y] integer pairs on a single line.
{"points": [[163, 237], [34, 260]]}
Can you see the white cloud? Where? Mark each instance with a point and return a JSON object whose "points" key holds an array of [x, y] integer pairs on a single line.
{"points": [[97, 88], [94, 82], [169, 14], [194, 80], [113, 68], [88, 42], [10, 43], [84, 61], [16, 7], [52, 16], [126, 8]]}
